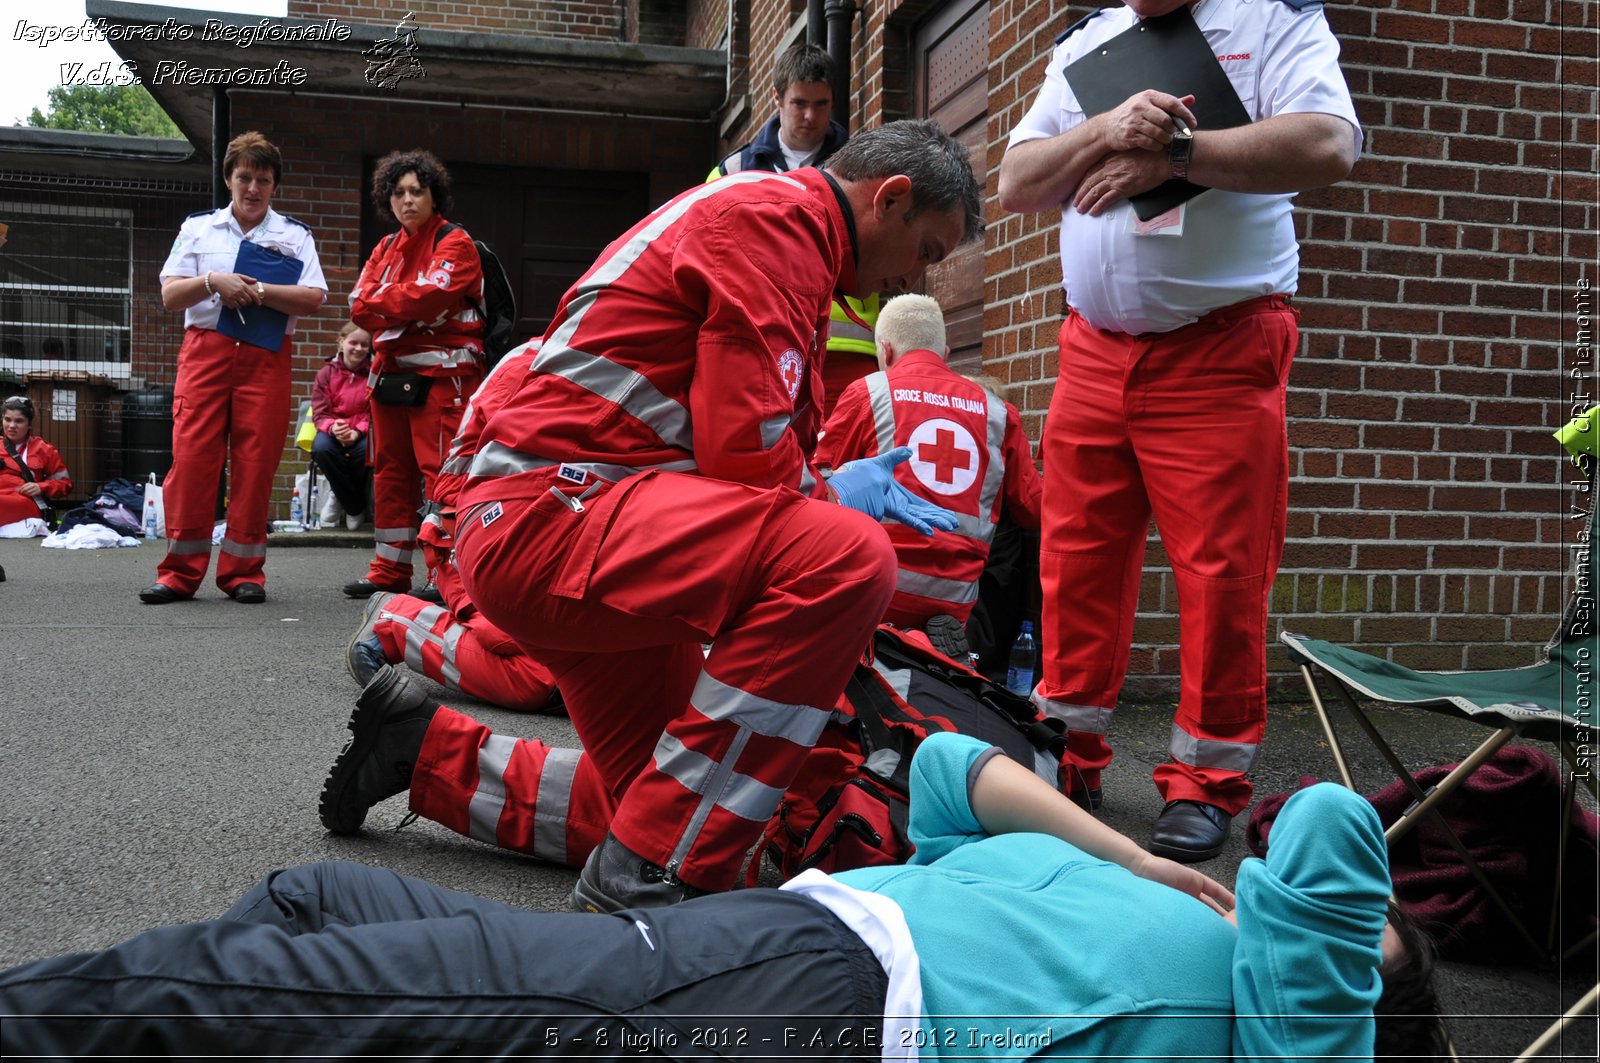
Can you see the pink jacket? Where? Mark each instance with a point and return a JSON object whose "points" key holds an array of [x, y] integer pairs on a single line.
{"points": [[340, 394]]}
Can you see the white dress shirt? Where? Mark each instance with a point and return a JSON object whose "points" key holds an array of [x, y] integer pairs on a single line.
{"points": [[208, 242], [1232, 246]]}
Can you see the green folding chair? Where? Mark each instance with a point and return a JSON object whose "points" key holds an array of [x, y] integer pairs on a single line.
{"points": [[1553, 701]]}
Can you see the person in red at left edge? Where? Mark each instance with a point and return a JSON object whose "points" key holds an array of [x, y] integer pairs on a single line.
{"points": [[231, 399], [648, 489], [419, 296], [32, 473]]}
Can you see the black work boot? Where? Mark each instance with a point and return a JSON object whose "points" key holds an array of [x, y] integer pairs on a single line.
{"points": [[614, 878], [949, 637], [391, 717], [364, 655]]}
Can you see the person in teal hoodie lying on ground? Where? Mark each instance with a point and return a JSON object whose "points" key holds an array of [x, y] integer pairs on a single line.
{"points": [[1021, 928]]}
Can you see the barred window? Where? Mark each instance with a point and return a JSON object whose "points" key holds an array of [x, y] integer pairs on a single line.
{"points": [[66, 276]]}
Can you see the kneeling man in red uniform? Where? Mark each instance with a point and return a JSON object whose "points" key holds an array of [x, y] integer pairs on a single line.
{"points": [[648, 488]]}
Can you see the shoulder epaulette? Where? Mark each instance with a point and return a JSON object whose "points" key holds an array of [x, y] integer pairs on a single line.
{"points": [[202, 214], [1078, 25], [295, 221], [1301, 5]]}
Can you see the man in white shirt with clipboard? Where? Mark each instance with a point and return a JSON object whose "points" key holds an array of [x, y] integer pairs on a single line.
{"points": [[1175, 354]]}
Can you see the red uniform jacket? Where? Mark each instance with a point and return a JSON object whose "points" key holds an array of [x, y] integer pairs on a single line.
{"points": [[415, 297], [692, 344], [438, 523], [48, 469], [340, 394], [968, 454]]}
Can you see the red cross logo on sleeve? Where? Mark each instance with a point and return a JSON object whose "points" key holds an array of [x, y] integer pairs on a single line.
{"points": [[944, 456]]}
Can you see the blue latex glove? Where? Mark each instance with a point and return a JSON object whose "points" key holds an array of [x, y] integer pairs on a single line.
{"points": [[868, 486]]}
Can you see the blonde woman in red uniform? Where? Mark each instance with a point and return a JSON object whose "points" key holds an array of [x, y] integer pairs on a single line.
{"points": [[419, 296]]}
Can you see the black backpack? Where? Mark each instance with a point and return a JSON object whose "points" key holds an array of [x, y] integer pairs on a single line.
{"points": [[848, 805], [499, 308]]}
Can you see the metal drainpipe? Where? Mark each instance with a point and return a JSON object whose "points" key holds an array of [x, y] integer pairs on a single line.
{"points": [[219, 145], [840, 14], [816, 24]]}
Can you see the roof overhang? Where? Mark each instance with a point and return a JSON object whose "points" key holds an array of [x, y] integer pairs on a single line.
{"points": [[181, 54], [69, 153]]}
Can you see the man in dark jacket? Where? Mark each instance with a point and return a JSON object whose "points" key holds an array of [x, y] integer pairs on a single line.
{"points": [[803, 132]]}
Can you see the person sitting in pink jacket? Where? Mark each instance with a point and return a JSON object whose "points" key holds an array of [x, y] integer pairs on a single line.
{"points": [[339, 410]]}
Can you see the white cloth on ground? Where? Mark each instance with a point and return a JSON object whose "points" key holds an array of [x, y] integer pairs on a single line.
{"points": [[88, 537], [26, 528]]}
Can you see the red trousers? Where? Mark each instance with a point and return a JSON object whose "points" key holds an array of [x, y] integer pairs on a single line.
{"points": [[231, 400], [1189, 427], [462, 653], [517, 793], [692, 752], [15, 506], [406, 448]]}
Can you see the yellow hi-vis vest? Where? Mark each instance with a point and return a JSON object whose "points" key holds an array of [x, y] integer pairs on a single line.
{"points": [[845, 334]]}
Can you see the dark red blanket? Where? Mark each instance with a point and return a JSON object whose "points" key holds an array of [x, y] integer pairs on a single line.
{"points": [[1508, 814]]}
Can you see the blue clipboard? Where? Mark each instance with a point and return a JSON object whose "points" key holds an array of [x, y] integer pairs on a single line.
{"points": [[260, 325]]}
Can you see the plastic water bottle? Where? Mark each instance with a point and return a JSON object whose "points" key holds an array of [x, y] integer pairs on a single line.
{"points": [[150, 519], [313, 515], [1019, 673], [297, 511]]}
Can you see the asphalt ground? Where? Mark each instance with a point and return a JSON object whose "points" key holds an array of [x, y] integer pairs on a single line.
{"points": [[158, 760]]}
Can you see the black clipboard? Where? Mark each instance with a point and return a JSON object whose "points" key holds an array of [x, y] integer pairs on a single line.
{"points": [[1168, 54], [258, 324]]}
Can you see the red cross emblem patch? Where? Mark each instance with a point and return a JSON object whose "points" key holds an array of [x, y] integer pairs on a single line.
{"points": [[792, 367], [944, 456]]}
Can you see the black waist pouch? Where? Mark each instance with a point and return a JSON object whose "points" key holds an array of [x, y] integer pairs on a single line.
{"points": [[401, 389]]}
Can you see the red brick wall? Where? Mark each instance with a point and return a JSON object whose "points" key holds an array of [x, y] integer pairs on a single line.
{"points": [[1438, 284], [704, 21], [585, 19], [657, 22], [1438, 290]]}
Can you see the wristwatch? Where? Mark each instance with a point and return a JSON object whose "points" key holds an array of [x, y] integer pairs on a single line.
{"points": [[261, 289], [1178, 152]]}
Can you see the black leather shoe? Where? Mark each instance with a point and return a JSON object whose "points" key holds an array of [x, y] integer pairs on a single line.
{"points": [[615, 878], [429, 593], [365, 588], [391, 717], [160, 594], [249, 594], [1190, 831], [363, 656]]}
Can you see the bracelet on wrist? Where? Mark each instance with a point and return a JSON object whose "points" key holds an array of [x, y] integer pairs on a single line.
{"points": [[207, 281]]}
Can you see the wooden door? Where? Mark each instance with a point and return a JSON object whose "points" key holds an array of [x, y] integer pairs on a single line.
{"points": [[545, 226]]}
